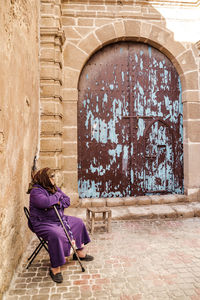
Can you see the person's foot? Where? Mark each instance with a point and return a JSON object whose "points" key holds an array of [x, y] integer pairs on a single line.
{"points": [[87, 257], [58, 278]]}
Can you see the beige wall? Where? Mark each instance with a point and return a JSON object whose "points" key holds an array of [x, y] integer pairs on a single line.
{"points": [[19, 116], [51, 41], [89, 25]]}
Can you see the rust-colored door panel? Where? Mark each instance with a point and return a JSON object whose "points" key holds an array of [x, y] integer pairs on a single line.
{"points": [[129, 123]]}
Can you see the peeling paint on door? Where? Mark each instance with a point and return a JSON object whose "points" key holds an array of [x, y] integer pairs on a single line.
{"points": [[129, 123]]}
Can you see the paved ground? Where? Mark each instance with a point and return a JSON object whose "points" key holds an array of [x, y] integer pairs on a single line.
{"points": [[138, 260]]}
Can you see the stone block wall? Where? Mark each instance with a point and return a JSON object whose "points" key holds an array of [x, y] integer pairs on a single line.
{"points": [[51, 40], [19, 122], [89, 25]]}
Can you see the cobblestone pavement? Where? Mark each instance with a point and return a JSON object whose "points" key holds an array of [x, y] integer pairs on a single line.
{"points": [[138, 260]]}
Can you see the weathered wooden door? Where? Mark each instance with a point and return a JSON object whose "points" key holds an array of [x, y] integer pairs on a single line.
{"points": [[129, 123]]}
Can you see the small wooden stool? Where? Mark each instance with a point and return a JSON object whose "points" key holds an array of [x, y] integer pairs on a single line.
{"points": [[93, 221]]}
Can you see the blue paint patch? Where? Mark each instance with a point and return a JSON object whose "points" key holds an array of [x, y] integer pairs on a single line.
{"points": [[132, 176], [125, 160], [125, 152], [94, 125], [108, 167], [155, 63], [160, 114], [141, 128], [103, 132], [141, 91], [148, 112], [89, 116], [105, 98], [166, 77], [115, 153], [112, 136], [132, 149], [138, 105], [149, 50], [89, 188], [111, 87], [99, 170], [122, 73], [141, 64]]}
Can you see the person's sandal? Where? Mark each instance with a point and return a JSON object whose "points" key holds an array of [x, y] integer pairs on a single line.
{"points": [[86, 258], [58, 278]]}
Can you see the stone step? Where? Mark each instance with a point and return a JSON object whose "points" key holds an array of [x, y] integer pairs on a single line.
{"points": [[128, 212], [129, 201]]}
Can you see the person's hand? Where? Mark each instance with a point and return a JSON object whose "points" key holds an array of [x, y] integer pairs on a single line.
{"points": [[60, 197]]}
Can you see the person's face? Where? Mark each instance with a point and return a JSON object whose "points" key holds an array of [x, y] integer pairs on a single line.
{"points": [[52, 178]]}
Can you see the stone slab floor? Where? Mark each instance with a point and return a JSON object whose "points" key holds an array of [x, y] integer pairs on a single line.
{"points": [[138, 260]]}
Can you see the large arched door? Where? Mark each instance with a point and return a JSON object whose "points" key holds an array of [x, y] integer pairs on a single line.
{"points": [[129, 123]]}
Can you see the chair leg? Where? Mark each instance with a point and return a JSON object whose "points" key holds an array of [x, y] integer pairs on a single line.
{"points": [[44, 243], [36, 251], [45, 246], [33, 255]]}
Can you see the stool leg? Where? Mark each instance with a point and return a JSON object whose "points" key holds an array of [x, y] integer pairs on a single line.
{"points": [[104, 217], [92, 226], [88, 219], [109, 221]]}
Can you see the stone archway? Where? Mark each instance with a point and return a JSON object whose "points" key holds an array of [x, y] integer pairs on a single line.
{"points": [[75, 57]]}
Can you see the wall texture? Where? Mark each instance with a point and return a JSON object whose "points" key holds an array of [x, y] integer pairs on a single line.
{"points": [[89, 25], [19, 117], [51, 41], [47, 65]]}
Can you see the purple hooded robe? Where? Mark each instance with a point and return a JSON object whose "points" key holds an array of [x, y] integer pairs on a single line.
{"points": [[46, 224]]}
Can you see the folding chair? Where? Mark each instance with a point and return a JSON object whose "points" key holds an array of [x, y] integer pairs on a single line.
{"points": [[42, 243]]}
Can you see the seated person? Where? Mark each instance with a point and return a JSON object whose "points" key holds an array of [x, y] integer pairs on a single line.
{"points": [[43, 195]]}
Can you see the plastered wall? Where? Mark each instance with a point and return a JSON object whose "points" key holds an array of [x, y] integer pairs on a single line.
{"points": [[19, 123]]}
